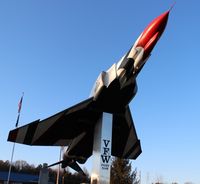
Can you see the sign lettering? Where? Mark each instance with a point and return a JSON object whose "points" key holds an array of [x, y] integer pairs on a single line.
{"points": [[106, 142], [105, 157]]}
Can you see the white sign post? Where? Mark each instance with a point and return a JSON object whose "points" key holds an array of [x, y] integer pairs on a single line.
{"points": [[102, 150], [44, 175]]}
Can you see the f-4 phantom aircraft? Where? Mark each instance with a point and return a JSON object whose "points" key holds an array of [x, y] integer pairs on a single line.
{"points": [[112, 93]]}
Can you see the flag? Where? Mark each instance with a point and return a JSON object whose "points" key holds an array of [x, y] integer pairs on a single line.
{"points": [[19, 110], [20, 104]]}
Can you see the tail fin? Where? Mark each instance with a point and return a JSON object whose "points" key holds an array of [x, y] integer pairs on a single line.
{"points": [[70, 163], [76, 167]]}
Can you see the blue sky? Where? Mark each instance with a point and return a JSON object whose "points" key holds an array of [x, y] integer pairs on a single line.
{"points": [[53, 51]]}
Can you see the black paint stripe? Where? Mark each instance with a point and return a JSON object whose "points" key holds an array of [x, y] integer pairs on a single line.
{"points": [[30, 132], [13, 135], [133, 148], [125, 59]]}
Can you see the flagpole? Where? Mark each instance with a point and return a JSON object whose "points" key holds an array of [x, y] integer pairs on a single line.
{"points": [[11, 161], [13, 149]]}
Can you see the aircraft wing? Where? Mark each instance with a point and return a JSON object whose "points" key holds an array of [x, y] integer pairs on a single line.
{"points": [[125, 143], [59, 129], [74, 127]]}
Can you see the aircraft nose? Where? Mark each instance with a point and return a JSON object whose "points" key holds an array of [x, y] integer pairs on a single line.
{"points": [[152, 33]]}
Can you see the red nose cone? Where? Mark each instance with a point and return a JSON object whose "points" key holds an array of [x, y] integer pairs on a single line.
{"points": [[152, 33]]}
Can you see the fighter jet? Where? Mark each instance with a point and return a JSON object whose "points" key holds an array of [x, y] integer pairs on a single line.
{"points": [[112, 93]]}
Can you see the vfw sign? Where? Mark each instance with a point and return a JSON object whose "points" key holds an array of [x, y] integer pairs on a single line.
{"points": [[105, 154]]}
